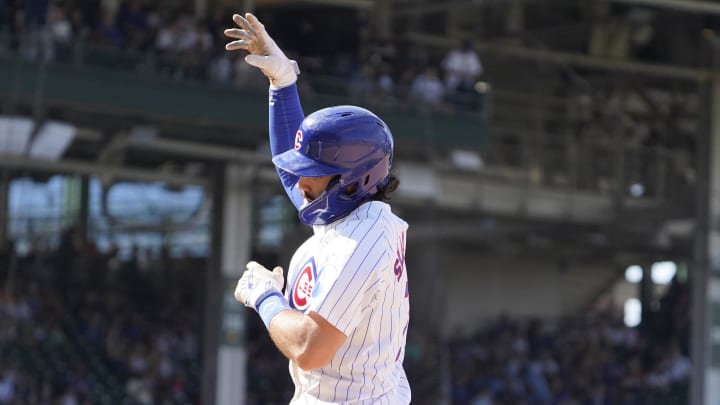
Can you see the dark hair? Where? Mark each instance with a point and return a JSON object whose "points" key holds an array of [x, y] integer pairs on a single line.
{"points": [[383, 194]]}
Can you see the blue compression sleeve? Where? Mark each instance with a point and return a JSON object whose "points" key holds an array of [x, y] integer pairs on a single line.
{"points": [[285, 117]]}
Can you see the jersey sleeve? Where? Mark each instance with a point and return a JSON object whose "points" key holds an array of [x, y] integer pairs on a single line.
{"points": [[285, 115], [345, 288]]}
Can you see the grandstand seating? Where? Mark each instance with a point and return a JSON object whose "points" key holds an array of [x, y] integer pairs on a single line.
{"points": [[53, 353]]}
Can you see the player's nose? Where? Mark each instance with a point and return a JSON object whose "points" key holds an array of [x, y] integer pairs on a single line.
{"points": [[303, 184]]}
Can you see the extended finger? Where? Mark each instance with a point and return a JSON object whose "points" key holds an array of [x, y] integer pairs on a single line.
{"points": [[254, 22], [237, 33], [235, 45], [244, 24]]}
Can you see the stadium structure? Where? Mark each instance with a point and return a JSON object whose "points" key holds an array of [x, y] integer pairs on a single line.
{"points": [[563, 210]]}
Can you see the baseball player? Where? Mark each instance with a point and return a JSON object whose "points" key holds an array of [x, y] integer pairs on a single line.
{"points": [[343, 319]]}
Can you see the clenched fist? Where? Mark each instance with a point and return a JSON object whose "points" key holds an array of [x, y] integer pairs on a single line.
{"points": [[257, 283]]}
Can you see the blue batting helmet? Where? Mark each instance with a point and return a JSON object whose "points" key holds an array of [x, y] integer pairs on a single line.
{"points": [[348, 142]]}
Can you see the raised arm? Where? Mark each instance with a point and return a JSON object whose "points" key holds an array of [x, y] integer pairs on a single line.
{"points": [[285, 111], [285, 118]]}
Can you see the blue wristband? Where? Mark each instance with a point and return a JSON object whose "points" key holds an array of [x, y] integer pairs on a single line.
{"points": [[270, 306]]}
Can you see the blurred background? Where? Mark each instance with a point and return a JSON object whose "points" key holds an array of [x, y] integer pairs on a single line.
{"points": [[558, 169]]}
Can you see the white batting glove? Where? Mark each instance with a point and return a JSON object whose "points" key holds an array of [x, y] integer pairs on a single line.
{"points": [[264, 52], [257, 283]]}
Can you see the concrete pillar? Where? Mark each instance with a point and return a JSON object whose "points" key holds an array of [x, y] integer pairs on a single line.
{"points": [[4, 209], [453, 21], [83, 215], [383, 16], [515, 18], [201, 7], [76, 192], [646, 295], [247, 6], [705, 277], [110, 5], [645, 286], [212, 283], [427, 284], [224, 373]]}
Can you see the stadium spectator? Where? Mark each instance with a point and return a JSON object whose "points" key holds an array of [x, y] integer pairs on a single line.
{"points": [[107, 33], [61, 30], [31, 22], [428, 89], [462, 68], [133, 20]]}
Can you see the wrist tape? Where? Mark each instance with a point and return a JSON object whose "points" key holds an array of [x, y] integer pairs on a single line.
{"points": [[270, 306]]}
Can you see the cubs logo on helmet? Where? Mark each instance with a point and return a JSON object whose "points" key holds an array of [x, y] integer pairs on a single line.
{"points": [[303, 287], [298, 140]]}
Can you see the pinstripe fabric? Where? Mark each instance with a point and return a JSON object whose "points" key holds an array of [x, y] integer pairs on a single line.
{"points": [[352, 273]]}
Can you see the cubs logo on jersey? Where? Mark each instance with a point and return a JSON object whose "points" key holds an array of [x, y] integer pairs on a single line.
{"points": [[303, 287]]}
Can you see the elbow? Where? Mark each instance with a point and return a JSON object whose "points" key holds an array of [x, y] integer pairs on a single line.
{"points": [[314, 344], [310, 359]]}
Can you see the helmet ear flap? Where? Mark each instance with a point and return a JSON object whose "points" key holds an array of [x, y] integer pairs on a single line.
{"points": [[349, 190], [345, 190]]}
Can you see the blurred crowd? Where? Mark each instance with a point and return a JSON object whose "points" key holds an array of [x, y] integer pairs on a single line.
{"points": [[593, 360], [81, 326], [182, 46]]}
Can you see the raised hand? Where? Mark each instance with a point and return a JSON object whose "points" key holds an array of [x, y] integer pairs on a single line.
{"points": [[264, 52]]}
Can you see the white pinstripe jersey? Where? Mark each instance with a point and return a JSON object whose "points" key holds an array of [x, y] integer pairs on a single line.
{"points": [[352, 273]]}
